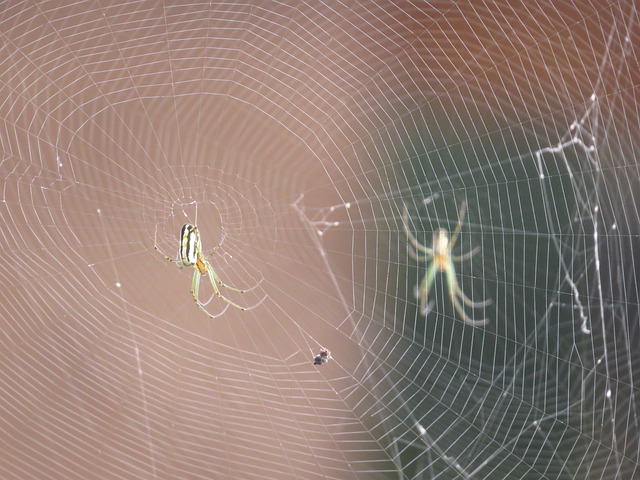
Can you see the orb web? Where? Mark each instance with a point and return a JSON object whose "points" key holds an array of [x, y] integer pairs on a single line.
{"points": [[295, 137]]}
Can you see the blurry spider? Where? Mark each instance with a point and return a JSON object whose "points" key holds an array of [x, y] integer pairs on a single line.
{"points": [[323, 357], [190, 255], [442, 261]]}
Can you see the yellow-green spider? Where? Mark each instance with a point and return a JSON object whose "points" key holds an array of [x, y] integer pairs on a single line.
{"points": [[442, 261], [190, 255]]}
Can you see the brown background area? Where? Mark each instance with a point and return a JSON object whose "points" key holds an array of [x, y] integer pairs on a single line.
{"points": [[123, 119]]}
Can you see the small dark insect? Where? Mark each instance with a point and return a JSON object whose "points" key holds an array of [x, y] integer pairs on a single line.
{"points": [[323, 357]]}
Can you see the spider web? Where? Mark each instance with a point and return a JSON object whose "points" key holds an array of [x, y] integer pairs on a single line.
{"points": [[293, 135]]}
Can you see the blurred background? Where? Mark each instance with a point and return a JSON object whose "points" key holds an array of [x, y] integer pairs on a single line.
{"points": [[294, 135]]}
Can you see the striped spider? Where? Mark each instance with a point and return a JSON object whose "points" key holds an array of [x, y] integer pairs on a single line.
{"points": [[190, 255], [442, 261]]}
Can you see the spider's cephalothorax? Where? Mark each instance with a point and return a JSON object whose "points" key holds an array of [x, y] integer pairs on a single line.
{"points": [[441, 260], [441, 250]]}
